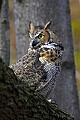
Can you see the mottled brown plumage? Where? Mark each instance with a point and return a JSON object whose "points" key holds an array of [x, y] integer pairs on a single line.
{"points": [[41, 66]]}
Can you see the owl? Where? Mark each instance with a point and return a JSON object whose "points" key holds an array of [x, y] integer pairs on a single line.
{"points": [[41, 66]]}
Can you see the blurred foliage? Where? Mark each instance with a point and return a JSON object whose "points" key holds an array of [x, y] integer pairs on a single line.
{"points": [[76, 32], [75, 21], [77, 59]]}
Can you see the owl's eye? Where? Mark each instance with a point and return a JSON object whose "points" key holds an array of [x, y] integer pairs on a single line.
{"points": [[40, 36]]}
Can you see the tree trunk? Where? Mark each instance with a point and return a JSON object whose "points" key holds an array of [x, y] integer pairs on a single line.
{"points": [[21, 26], [58, 11], [4, 32], [19, 102], [65, 93]]}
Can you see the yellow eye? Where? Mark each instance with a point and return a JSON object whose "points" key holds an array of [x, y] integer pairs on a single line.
{"points": [[41, 36]]}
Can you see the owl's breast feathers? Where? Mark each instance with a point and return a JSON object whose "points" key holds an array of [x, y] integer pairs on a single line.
{"points": [[38, 67]]}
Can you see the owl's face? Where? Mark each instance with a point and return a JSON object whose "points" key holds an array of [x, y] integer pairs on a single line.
{"points": [[49, 49], [39, 35]]}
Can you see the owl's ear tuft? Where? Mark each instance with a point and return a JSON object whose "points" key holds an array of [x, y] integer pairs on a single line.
{"points": [[31, 27], [47, 25]]}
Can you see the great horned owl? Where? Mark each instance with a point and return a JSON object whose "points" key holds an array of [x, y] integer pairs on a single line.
{"points": [[41, 66]]}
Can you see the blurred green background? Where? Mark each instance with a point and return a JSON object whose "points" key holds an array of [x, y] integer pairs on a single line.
{"points": [[75, 22]]}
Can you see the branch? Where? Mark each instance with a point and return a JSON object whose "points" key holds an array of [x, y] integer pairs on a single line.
{"points": [[19, 102]]}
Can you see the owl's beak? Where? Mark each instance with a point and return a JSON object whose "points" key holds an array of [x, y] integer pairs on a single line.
{"points": [[35, 43]]}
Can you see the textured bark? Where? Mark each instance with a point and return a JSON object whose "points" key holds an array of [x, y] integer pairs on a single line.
{"points": [[21, 26], [58, 11], [4, 32], [20, 102]]}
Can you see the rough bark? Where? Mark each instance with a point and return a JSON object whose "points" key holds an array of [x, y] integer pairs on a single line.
{"points": [[58, 11], [19, 102], [4, 31]]}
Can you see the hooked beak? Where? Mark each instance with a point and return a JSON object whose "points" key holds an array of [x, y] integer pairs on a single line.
{"points": [[35, 43]]}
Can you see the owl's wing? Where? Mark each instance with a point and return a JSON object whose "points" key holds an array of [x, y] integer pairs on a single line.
{"points": [[30, 69]]}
